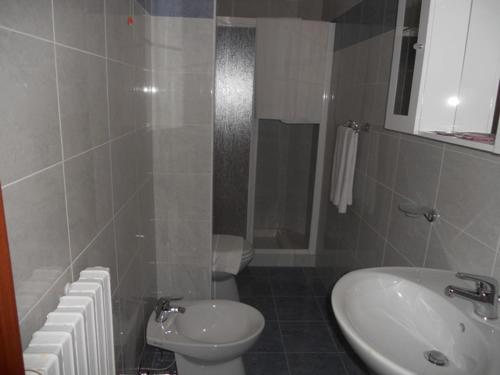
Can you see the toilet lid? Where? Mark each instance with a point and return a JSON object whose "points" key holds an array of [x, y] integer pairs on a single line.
{"points": [[227, 242]]}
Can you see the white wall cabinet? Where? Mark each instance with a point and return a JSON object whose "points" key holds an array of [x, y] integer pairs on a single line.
{"points": [[446, 70]]}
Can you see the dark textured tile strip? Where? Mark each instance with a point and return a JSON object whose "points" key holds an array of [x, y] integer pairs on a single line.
{"points": [[182, 8]]}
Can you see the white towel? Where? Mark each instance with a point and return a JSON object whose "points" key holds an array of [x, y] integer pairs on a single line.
{"points": [[227, 253], [344, 164]]}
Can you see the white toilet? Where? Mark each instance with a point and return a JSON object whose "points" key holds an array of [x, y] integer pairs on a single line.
{"points": [[209, 337], [224, 246]]}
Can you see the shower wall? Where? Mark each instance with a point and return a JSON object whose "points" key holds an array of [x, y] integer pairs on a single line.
{"points": [[183, 66], [234, 121]]}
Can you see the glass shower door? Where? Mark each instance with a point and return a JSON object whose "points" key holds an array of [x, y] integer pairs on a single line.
{"points": [[284, 184]]}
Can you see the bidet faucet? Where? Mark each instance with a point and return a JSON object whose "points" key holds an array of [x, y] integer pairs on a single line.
{"points": [[164, 307], [484, 297]]}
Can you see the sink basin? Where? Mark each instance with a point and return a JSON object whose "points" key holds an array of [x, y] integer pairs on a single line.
{"points": [[393, 316]]}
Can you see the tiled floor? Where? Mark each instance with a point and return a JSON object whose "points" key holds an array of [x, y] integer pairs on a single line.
{"points": [[301, 336]]}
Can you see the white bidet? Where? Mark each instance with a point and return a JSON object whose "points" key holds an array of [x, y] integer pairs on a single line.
{"points": [[209, 337]]}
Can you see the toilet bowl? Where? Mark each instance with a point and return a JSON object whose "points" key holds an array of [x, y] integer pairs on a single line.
{"points": [[224, 286], [209, 338]]}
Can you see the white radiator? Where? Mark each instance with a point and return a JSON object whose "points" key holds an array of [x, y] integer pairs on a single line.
{"points": [[77, 338]]}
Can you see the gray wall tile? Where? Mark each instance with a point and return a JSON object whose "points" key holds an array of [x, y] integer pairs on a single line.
{"points": [[408, 235], [370, 249], [126, 227], [83, 100], [119, 34], [33, 17], [376, 206], [88, 188], [383, 157], [38, 234], [394, 259], [469, 196], [417, 176], [185, 196], [121, 98], [29, 128], [124, 165], [452, 249], [101, 252], [80, 24], [184, 149], [38, 315]]}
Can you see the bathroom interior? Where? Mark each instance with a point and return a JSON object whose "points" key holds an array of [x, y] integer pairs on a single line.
{"points": [[271, 187]]}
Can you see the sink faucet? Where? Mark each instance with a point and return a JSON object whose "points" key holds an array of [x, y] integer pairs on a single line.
{"points": [[484, 297], [164, 307]]}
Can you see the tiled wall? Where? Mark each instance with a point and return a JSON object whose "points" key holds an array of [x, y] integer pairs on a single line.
{"points": [[183, 63], [75, 151], [394, 168], [306, 9]]}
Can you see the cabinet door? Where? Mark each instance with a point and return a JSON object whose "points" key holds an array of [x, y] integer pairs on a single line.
{"points": [[407, 63]]}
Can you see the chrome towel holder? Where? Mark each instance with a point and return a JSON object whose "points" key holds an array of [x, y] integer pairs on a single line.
{"points": [[356, 126]]}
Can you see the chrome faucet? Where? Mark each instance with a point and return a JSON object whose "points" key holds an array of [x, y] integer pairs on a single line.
{"points": [[164, 307], [484, 298]]}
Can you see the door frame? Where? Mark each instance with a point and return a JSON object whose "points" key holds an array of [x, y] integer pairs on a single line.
{"points": [[11, 354]]}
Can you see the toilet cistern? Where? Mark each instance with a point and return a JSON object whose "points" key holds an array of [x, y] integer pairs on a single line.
{"points": [[164, 307]]}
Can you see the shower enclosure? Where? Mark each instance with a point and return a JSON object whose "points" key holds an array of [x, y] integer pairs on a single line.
{"points": [[284, 184], [270, 123]]}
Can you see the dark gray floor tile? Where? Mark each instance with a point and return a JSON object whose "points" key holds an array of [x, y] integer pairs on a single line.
{"points": [[253, 286], [298, 308], [254, 271], [265, 364], [316, 364], [156, 358], [285, 272], [319, 288], [270, 340], [354, 364], [264, 304], [293, 287], [307, 337]]}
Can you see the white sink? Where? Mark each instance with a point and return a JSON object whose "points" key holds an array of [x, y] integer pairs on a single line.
{"points": [[392, 316]]}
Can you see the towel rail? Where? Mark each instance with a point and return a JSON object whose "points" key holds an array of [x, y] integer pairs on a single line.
{"points": [[356, 126]]}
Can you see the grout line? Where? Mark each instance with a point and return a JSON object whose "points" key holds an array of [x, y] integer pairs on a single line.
{"points": [[5, 186], [9, 29], [61, 140], [30, 310], [279, 327], [108, 118], [462, 231], [434, 205], [454, 148], [58, 44], [93, 240], [399, 253], [110, 141], [391, 205]]}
